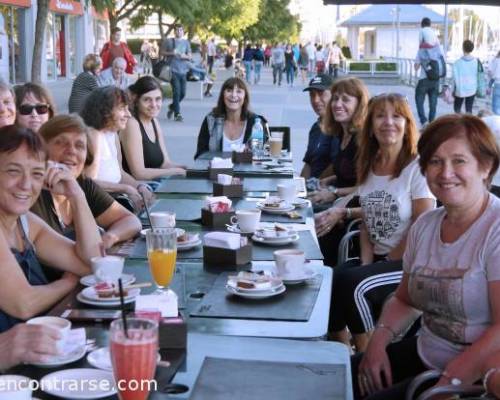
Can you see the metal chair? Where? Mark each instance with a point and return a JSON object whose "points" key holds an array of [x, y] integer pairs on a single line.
{"points": [[286, 135], [460, 390], [346, 242]]}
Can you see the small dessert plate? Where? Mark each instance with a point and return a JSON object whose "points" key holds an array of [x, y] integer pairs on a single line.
{"points": [[179, 232], [91, 294], [90, 280], [59, 360], [101, 358], [305, 275], [278, 241], [300, 202], [275, 284], [256, 295]]}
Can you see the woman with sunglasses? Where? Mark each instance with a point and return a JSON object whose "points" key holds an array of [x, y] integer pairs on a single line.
{"points": [[7, 105], [144, 152], [34, 106], [67, 138], [344, 118], [451, 272], [392, 194], [26, 240], [106, 111]]}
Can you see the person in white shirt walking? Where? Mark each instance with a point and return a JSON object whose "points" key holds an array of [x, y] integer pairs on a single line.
{"points": [[334, 57], [211, 53]]}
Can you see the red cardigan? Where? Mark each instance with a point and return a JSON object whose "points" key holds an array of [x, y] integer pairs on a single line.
{"points": [[129, 57]]}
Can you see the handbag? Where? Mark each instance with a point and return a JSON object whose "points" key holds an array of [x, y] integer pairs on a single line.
{"points": [[162, 70], [481, 81]]}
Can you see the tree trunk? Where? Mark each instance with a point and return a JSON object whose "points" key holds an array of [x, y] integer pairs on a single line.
{"points": [[160, 23], [41, 20]]}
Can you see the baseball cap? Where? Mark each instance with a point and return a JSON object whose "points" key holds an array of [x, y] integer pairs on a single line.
{"points": [[319, 82]]}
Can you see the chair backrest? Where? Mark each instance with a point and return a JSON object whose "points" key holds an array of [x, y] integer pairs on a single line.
{"points": [[347, 243], [286, 135]]}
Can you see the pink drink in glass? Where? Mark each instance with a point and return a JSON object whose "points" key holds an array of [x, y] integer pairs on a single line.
{"points": [[134, 357]]}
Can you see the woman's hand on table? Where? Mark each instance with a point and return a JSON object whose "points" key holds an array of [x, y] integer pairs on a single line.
{"points": [[326, 220], [27, 344], [109, 239], [178, 171], [134, 196], [322, 196], [145, 191]]}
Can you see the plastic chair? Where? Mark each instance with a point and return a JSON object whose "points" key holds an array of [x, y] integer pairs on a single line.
{"points": [[460, 390], [286, 135]]}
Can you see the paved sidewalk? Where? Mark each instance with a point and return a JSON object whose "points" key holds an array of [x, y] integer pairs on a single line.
{"points": [[282, 106]]}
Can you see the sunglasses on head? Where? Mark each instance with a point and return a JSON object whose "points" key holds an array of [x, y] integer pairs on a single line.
{"points": [[388, 95], [27, 109]]}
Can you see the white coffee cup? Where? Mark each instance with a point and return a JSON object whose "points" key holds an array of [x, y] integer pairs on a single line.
{"points": [[248, 220], [107, 268], [287, 191], [289, 262], [15, 387], [162, 219], [62, 325], [224, 179]]}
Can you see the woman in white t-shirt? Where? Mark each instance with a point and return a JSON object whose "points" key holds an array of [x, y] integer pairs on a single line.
{"points": [[451, 270], [230, 123], [392, 193], [106, 111]]}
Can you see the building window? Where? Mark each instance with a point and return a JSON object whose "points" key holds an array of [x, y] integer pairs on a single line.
{"points": [[12, 62]]}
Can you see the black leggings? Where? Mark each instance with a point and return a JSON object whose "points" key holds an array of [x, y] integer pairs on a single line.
{"points": [[457, 104], [363, 286], [405, 365]]}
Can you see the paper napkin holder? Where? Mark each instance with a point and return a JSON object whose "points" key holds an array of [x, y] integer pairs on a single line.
{"points": [[213, 172], [173, 333], [227, 257], [232, 190], [243, 157], [216, 220]]}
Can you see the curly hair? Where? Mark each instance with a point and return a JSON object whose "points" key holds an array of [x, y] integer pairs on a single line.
{"points": [[353, 87], [97, 111], [368, 146]]}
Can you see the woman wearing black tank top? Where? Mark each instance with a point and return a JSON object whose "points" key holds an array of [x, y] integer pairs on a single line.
{"points": [[145, 155]]}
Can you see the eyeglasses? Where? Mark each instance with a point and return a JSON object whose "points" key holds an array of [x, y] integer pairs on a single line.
{"points": [[27, 109], [398, 96]]}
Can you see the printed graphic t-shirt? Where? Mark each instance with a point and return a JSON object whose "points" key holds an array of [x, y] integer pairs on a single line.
{"points": [[449, 282], [387, 205]]}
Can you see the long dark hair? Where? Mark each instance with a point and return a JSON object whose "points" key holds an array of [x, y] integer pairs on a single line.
{"points": [[220, 109]]}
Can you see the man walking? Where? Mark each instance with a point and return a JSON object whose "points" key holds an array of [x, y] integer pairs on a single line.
{"points": [[211, 52], [178, 53], [430, 62], [116, 48], [278, 62], [334, 57]]}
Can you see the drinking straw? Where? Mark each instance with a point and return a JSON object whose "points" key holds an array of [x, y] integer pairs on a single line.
{"points": [[122, 306], [146, 208]]}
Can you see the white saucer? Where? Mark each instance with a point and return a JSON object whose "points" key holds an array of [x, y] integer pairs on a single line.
{"points": [[179, 232], [279, 241], [57, 361], [87, 389], [236, 229], [275, 210], [306, 275], [188, 245], [90, 280], [300, 202], [101, 359], [256, 295], [90, 294], [114, 303], [275, 285]]}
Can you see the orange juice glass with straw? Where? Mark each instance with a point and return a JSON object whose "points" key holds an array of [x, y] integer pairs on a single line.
{"points": [[162, 255]]}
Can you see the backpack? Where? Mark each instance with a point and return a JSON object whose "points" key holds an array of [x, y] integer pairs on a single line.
{"points": [[435, 69]]}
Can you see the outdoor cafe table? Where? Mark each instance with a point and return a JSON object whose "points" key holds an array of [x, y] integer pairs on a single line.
{"points": [[198, 280], [200, 346]]}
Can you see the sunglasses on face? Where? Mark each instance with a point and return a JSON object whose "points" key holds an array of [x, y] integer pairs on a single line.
{"points": [[27, 109]]}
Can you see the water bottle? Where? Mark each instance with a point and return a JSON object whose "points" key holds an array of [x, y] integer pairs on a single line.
{"points": [[257, 137]]}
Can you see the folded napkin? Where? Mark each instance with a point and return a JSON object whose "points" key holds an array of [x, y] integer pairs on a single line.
{"points": [[166, 303], [223, 240], [218, 204], [218, 162]]}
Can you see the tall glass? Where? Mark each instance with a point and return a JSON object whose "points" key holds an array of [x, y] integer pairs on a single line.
{"points": [[134, 357], [162, 254], [275, 144]]}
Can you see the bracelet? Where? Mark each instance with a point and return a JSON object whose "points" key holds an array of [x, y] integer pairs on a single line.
{"points": [[334, 190], [348, 213], [487, 376], [383, 326]]}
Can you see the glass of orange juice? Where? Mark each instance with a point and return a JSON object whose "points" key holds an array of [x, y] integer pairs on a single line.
{"points": [[162, 254]]}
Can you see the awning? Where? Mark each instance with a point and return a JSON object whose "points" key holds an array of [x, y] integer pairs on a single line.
{"points": [[66, 7], [471, 2], [19, 3]]}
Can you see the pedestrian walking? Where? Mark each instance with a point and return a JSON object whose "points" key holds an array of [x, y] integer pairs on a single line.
{"points": [[465, 75]]}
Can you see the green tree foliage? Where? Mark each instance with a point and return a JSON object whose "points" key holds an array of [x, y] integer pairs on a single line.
{"points": [[275, 23]]}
